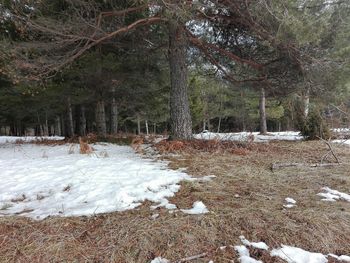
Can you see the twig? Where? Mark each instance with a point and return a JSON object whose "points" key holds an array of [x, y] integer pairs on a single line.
{"points": [[340, 110], [276, 166], [191, 258]]}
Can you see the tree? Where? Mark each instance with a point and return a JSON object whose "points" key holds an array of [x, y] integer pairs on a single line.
{"points": [[181, 122], [259, 43]]}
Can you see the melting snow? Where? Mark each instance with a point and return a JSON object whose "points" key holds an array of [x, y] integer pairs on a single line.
{"points": [[298, 255], [340, 258], [160, 260], [290, 202], [333, 195], [198, 208], [243, 136], [259, 245], [39, 181], [12, 139], [206, 178], [287, 253], [342, 141], [244, 256]]}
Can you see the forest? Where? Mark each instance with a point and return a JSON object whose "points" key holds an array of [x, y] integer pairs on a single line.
{"points": [[175, 131], [78, 67]]}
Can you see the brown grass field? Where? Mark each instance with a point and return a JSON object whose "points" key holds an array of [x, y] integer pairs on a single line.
{"points": [[246, 198]]}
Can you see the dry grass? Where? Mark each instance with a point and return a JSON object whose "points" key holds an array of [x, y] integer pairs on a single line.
{"points": [[212, 146], [245, 198], [85, 148]]}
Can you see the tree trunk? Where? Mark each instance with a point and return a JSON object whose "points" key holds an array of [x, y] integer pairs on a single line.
{"points": [[40, 128], [180, 117], [52, 130], [138, 124], [306, 103], [69, 122], [154, 128], [114, 114], [219, 124], [146, 124], [82, 121], [63, 125], [101, 118], [46, 126], [244, 128], [262, 111]]}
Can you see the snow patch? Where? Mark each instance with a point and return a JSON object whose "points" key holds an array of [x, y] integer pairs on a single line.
{"points": [[287, 253], [160, 260], [255, 136], [13, 139], [197, 208], [340, 258], [63, 184], [244, 256], [259, 245], [342, 141], [331, 195], [298, 255], [290, 202], [206, 178]]}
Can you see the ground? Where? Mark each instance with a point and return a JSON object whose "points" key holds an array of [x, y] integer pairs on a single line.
{"points": [[245, 198]]}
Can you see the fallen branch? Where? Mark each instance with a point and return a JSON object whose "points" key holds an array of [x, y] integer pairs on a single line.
{"points": [[191, 258], [276, 166], [340, 110], [330, 151]]}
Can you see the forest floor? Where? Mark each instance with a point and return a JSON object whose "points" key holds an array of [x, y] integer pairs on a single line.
{"points": [[245, 198]]}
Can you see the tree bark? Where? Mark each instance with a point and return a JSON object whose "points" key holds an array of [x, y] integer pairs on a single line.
{"points": [[46, 126], [69, 122], [262, 111], [243, 112], [219, 125], [306, 103], [146, 124], [63, 125], [180, 117], [114, 114], [138, 124], [52, 130], [100, 118], [82, 121]]}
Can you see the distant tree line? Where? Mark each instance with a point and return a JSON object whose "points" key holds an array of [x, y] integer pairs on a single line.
{"points": [[71, 67]]}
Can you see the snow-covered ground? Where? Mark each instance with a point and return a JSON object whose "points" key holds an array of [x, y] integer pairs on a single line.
{"points": [[342, 141], [38, 180], [244, 136], [12, 139], [340, 130], [298, 255]]}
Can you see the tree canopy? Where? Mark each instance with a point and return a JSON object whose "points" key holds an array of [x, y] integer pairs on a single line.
{"points": [[142, 52]]}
